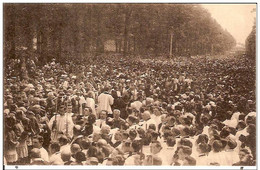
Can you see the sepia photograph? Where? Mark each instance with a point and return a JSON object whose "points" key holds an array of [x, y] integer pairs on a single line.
{"points": [[129, 84]]}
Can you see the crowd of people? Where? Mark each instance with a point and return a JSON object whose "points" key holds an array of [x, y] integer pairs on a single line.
{"points": [[116, 111]]}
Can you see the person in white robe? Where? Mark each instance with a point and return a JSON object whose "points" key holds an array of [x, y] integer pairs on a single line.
{"points": [[156, 116], [168, 149], [91, 102], [63, 124], [105, 100], [230, 153], [216, 156]]}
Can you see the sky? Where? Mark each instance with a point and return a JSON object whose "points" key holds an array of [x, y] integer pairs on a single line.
{"points": [[236, 18]]}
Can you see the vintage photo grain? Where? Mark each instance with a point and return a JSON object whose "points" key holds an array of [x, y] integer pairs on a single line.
{"points": [[129, 84]]}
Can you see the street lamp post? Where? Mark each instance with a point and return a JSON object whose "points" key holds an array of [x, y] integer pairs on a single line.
{"points": [[171, 39], [171, 45]]}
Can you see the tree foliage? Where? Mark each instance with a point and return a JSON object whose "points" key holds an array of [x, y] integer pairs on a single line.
{"points": [[251, 43], [67, 30]]}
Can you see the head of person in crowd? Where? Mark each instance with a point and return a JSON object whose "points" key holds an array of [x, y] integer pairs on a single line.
{"points": [[87, 111], [118, 160], [136, 146], [103, 115], [170, 121], [85, 144], [231, 144], [105, 129], [132, 120], [217, 146], [92, 151], [132, 134], [62, 110], [202, 138], [242, 153], [171, 141], [251, 129], [36, 159], [185, 132], [66, 156], [189, 161], [96, 137], [203, 148], [185, 142], [154, 135], [118, 136], [155, 147], [63, 140], [69, 107], [80, 157], [146, 115], [74, 149], [37, 141], [152, 126], [241, 125], [156, 111], [101, 143], [54, 147], [183, 151], [35, 153], [116, 114], [224, 132]]}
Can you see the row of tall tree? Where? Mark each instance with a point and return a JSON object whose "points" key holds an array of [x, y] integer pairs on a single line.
{"points": [[71, 30], [251, 42]]}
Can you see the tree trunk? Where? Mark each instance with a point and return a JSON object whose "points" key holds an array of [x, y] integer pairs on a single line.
{"points": [[9, 31], [127, 21]]}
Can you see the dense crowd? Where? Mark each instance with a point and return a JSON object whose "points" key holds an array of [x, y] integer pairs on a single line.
{"points": [[115, 111]]}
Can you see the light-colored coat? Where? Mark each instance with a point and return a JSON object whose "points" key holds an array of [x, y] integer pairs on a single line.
{"points": [[104, 102]]}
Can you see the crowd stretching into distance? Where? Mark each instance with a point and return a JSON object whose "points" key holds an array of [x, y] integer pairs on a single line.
{"points": [[116, 111]]}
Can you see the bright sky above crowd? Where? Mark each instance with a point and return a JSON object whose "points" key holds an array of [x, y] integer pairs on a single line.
{"points": [[238, 19]]}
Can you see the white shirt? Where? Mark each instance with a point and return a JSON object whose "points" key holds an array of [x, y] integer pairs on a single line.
{"points": [[132, 160], [99, 123], [231, 157], [157, 120], [62, 122], [167, 154], [201, 160], [91, 104], [55, 157], [65, 148], [217, 157], [44, 154], [104, 102]]}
